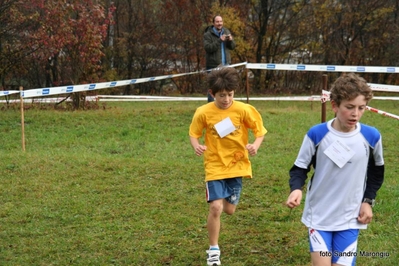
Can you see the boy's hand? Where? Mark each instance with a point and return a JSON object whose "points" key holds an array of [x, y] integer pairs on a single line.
{"points": [[252, 149], [294, 199], [200, 149], [365, 214]]}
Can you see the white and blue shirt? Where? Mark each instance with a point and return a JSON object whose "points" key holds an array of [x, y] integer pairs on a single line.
{"points": [[335, 194]]}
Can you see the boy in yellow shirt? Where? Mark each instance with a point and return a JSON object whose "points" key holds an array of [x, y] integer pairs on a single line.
{"points": [[226, 149]]}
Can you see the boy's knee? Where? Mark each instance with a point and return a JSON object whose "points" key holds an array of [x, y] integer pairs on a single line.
{"points": [[216, 208]]}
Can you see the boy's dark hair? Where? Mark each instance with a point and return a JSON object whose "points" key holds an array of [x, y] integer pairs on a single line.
{"points": [[224, 78], [348, 87]]}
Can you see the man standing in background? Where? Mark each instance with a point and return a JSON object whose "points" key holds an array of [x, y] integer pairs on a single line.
{"points": [[218, 42]]}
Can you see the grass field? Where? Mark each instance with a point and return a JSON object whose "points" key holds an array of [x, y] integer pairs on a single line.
{"points": [[122, 186]]}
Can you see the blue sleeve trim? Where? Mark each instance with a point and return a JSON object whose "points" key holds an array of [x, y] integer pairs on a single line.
{"points": [[371, 134], [317, 133]]}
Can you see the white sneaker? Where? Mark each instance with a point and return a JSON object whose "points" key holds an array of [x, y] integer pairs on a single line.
{"points": [[213, 257]]}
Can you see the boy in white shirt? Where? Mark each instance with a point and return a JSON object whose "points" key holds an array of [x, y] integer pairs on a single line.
{"points": [[348, 163]]}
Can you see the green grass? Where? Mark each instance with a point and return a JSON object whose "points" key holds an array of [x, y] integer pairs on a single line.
{"points": [[122, 186]]}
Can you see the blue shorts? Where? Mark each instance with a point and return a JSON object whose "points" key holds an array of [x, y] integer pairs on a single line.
{"points": [[341, 246], [228, 189]]}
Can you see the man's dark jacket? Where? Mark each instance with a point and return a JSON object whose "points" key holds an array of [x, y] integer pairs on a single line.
{"points": [[212, 45]]}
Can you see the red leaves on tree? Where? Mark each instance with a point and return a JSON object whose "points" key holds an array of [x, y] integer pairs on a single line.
{"points": [[71, 31]]}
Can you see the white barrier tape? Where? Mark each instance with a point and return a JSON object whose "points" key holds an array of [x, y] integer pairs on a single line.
{"points": [[386, 98], [115, 98], [137, 98], [383, 87], [382, 112], [5, 93], [68, 89], [330, 68], [168, 98], [103, 85], [89, 87], [134, 98], [325, 96], [234, 65]]}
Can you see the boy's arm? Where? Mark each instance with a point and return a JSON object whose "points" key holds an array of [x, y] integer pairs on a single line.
{"points": [[253, 148], [375, 178], [298, 177], [297, 181], [198, 148]]}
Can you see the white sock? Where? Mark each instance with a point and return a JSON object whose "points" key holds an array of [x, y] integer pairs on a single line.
{"points": [[214, 247]]}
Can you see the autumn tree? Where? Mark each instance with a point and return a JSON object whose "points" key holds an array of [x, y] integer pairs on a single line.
{"points": [[185, 25], [12, 48], [57, 42], [51, 43], [139, 49], [356, 32], [273, 32]]}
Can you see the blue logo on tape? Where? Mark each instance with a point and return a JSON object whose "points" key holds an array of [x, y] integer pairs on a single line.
{"points": [[69, 89], [299, 67], [390, 69], [360, 69], [152, 78], [133, 81], [113, 83], [92, 86], [45, 91], [270, 66], [330, 68]]}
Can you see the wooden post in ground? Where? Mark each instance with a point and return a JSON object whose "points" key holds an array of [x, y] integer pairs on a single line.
{"points": [[247, 85], [21, 99], [323, 103]]}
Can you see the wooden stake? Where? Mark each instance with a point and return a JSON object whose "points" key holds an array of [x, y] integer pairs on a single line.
{"points": [[323, 104], [247, 79], [21, 89]]}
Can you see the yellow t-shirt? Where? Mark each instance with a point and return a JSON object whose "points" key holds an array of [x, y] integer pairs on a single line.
{"points": [[227, 157]]}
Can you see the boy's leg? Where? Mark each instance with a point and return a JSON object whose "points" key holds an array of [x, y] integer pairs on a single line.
{"points": [[333, 248], [223, 196], [216, 208], [228, 207], [234, 187], [318, 260], [320, 247], [213, 222], [345, 247]]}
